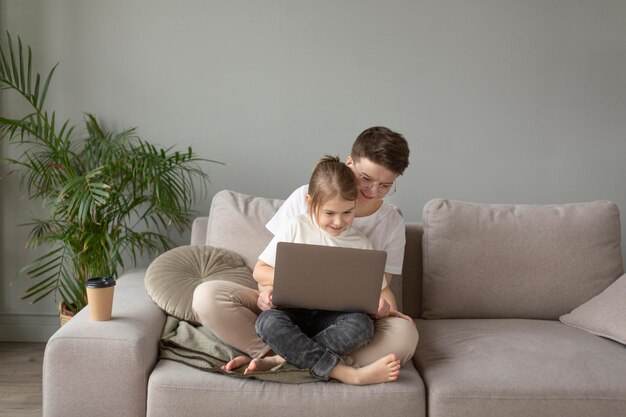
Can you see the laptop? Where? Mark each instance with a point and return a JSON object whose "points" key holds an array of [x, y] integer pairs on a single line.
{"points": [[328, 277]]}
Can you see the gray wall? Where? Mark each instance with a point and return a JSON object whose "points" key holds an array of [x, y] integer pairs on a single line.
{"points": [[520, 101]]}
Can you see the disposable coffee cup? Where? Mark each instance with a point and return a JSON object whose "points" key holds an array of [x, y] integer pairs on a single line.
{"points": [[100, 297]]}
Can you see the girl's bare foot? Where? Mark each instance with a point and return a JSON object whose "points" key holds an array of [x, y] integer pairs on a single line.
{"points": [[386, 369], [236, 363], [264, 364]]}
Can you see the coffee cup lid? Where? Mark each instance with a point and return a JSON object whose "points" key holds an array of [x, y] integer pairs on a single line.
{"points": [[100, 282]]}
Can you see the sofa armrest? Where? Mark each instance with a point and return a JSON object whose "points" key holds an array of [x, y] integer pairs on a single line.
{"points": [[101, 368], [198, 231]]}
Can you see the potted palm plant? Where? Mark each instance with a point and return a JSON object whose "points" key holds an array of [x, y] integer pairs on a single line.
{"points": [[108, 197]]}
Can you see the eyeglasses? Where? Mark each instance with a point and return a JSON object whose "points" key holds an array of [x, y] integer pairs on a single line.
{"points": [[366, 184]]}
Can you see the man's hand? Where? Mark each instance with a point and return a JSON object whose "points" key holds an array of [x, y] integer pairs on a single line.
{"points": [[383, 309], [396, 313], [264, 302]]}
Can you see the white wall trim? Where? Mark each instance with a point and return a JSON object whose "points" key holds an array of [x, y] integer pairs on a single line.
{"points": [[15, 327]]}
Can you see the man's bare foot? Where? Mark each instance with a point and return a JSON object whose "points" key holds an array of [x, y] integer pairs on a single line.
{"points": [[236, 362], [386, 369], [264, 364]]}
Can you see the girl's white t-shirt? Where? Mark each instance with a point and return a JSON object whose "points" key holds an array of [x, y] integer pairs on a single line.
{"points": [[301, 229], [385, 228]]}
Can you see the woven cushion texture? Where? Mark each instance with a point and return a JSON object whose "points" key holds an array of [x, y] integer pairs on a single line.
{"points": [[517, 261]]}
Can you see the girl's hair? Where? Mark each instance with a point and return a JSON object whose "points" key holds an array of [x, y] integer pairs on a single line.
{"points": [[330, 178]]}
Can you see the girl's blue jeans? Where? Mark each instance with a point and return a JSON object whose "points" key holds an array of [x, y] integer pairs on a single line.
{"points": [[314, 339]]}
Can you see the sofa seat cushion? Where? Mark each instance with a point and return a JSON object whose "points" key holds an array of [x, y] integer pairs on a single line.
{"points": [[178, 390], [516, 367]]}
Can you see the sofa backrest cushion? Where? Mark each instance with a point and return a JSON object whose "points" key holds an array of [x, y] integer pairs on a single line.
{"points": [[517, 261], [237, 222]]}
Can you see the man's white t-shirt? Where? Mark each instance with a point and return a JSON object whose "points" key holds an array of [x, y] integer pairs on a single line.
{"points": [[385, 228], [301, 229]]}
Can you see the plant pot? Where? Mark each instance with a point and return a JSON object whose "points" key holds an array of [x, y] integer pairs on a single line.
{"points": [[65, 314]]}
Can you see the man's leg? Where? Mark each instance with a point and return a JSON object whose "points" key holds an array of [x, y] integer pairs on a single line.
{"points": [[230, 311], [391, 335]]}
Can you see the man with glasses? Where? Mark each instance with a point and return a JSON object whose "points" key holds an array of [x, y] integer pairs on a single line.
{"points": [[378, 157]]}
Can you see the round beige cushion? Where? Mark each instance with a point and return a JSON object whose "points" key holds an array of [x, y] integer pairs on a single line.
{"points": [[174, 275]]}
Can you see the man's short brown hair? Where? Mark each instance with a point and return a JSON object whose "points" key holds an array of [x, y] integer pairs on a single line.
{"points": [[384, 147]]}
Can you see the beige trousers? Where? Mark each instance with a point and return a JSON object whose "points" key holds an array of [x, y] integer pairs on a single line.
{"points": [[230, 310]]}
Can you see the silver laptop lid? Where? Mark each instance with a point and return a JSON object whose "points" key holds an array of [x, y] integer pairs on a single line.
{"points": [[328, 277]]}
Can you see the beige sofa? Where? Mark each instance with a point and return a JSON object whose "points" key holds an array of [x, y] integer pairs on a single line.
{"points": [[487, 284]]}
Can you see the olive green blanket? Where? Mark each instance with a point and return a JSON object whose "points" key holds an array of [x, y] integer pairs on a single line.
{"points": [[198, 347]]}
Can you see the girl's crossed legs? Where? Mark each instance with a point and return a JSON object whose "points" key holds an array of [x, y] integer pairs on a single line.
{"points": [[316, 340]]}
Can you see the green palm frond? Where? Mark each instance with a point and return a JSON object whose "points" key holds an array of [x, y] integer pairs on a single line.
{"points": [[16, 73], [79, 198], [44, 271], [109, 196]]}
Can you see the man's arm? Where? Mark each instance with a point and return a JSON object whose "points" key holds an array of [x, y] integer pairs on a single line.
{"points": [[293, 206], [387, 294]]}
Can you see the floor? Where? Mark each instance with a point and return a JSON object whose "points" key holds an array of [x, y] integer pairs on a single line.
{"points": [[20, 379]]}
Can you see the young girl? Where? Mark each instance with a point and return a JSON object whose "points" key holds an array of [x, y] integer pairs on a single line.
{"points": [[316, 339]]}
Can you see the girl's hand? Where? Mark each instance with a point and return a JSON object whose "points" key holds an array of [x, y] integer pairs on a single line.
{"points": [[264, 302], [383, 309]]}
